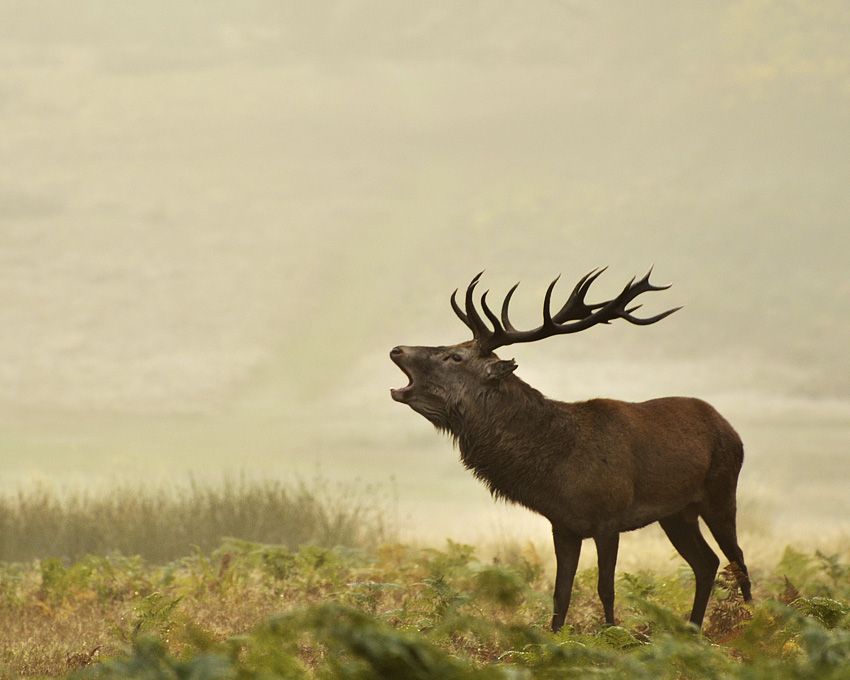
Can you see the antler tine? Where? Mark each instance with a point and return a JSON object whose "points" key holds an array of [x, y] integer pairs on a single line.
{"points": [[645, 286], [470, 317], [506, 322], [644, 282], [479, 329], [497, 326], [463, 317], [616, 308], [547, 305], [575, 308], [646, 322], [506, 334]]}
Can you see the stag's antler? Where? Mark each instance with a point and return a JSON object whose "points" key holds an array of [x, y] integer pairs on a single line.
{"points": [[576, 315]]}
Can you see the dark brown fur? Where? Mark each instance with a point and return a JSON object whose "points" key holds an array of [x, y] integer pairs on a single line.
{"points": [[593, 469]]}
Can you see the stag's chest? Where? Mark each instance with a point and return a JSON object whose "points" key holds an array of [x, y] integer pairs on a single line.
{"points": [[512, 472]]}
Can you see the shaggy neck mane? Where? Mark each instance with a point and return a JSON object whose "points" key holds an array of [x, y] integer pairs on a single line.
{"points": [[502, 430]]}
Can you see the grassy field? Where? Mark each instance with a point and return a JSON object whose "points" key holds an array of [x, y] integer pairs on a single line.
{"points": [[329, 593]]}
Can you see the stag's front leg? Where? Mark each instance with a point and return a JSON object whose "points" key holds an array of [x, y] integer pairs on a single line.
{"points": [[607, 544], [567, 551]]}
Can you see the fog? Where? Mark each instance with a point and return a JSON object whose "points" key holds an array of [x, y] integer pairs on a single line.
{"points": [[217, 218]]}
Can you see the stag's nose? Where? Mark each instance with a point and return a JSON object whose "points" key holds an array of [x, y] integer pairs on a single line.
{"points": [[396, 352]]}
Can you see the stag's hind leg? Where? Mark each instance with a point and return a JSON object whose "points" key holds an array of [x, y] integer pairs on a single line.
{"points": [[683, 531], [721, 522]]}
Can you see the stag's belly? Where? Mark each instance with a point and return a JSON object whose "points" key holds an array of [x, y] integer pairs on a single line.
{"points": [[587, 524], [680, 483], [639, 516], [663, 488]]}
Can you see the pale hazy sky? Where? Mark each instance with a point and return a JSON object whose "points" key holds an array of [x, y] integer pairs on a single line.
{"points": [[225, 213]]}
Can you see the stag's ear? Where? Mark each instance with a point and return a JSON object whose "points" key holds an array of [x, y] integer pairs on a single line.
{"points": [[496, 370]]}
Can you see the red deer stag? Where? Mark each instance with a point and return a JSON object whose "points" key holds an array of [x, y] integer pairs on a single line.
{"points": [[594, 468]]}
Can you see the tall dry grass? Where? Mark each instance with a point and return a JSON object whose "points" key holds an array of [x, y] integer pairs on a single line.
{"points": [[163, 523]]}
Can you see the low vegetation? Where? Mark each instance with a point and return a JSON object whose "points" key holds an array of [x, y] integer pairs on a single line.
{"points": [[369, 609], [162, 523], [250, 610]]}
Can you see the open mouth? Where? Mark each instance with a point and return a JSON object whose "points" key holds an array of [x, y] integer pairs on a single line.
{"points": [[400, 393]]}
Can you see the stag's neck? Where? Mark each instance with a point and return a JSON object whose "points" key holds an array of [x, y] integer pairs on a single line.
{"points": [[505, 433]]}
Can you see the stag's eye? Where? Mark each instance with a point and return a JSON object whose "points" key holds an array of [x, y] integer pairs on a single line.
{"points": [[457, 358]]}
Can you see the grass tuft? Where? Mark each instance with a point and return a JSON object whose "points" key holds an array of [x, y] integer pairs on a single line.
{"points": [[163, 524]]}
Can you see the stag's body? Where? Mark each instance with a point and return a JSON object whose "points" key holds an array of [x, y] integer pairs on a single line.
{"points": [[600, 464], [594, 469]]}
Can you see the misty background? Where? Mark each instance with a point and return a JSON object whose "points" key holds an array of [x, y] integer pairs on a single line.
{"points": [[217, 218]]}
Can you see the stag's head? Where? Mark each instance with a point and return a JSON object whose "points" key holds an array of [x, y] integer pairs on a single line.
{"points": [[442, 380]]}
